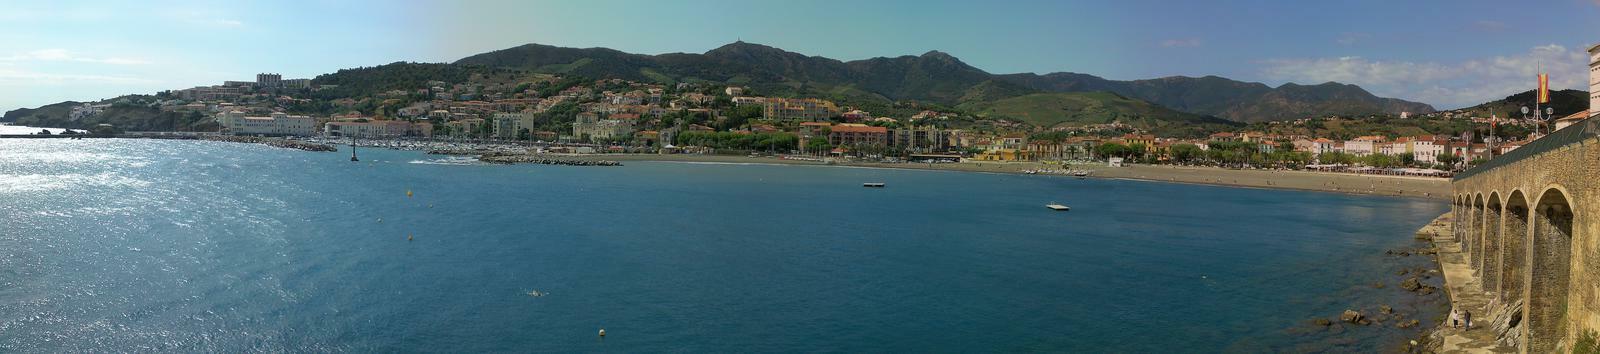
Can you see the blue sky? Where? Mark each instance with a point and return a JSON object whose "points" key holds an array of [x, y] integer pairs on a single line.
{"points": [[1446, 53]]}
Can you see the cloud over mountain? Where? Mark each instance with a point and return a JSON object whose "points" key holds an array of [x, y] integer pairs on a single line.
{"points": [[1451, 84]]}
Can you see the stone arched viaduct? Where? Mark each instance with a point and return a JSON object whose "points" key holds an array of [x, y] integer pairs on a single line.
{"points": [[1529, 222]]}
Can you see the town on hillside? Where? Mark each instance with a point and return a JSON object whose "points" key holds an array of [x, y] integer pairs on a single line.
{"points": [[614, 115]]}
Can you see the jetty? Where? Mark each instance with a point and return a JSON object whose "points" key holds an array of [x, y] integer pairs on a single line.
{"points": [[273, 142], [507, 159]]}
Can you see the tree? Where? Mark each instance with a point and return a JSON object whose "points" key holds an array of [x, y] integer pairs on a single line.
{"points": [[1137, 150], [524, 134], [1407, 159], [1448, 159], [1184, 153], [1111, 150], [1381, 160], [818, 143], [1335, 157]]}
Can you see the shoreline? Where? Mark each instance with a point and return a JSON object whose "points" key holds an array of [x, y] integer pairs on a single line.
{"points": [[1308, 181], [1460, 285], [1344, 183]]}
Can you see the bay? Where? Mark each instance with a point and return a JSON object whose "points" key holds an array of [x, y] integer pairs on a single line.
{"points": [[147, 245]]}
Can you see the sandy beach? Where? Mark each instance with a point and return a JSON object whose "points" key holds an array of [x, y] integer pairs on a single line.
{"points": [[1402, 186]]}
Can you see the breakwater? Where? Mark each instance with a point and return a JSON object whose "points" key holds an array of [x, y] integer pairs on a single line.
{"points": [[273, 142], [515, 157], [543, 160]]}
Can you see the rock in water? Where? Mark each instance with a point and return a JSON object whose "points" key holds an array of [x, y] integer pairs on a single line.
{"points": [[1385, 309], [1411, 284], [1351, 316], [1323, 322], [1408, 324]]}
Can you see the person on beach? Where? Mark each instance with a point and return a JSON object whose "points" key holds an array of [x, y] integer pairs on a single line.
{"points": [[1466, 319], [1455, 317]]}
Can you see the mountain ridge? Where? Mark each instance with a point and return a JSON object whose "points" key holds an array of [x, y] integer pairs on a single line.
{"points": [[940, 77]]}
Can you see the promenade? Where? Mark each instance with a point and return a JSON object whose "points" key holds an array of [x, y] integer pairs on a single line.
{"points": [[1465, 291]]}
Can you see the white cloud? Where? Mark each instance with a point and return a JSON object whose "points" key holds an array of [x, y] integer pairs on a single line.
{"points": [[1186, 43], [58, 54], [1444, 85]]}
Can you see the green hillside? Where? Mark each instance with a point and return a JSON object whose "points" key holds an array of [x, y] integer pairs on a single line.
{"points": [[1070, 109]]}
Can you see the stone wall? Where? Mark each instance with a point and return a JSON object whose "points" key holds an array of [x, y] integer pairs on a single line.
{"points": [[1533, 228]]}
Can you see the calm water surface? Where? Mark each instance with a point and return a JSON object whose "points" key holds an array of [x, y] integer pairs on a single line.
{"points": [[138, 245]]}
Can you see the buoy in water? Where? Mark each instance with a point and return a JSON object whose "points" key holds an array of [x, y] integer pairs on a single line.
{"points": [[408, 193], [602, 332], [380, 219], [408, 237]]}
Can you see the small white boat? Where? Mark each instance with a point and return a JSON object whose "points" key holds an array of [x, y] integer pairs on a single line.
{"points": [[873, 184], [1057, 207]]}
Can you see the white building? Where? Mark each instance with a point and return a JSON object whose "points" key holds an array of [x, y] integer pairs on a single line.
{"points": [[269, 80], [278, 124], [507, 125], [374, 129], [1363, 146], [87, 110], [1322, 145], [1594, 80], [590, 126], [1428, 149], [296, 83]]}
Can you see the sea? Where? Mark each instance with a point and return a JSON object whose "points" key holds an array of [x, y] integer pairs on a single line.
{"points": [[7, 129], [119, 245]]}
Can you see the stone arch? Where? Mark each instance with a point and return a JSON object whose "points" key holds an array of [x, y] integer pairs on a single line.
{"points": [[1475, 233], [1489, 267], [1460, 220], [1551, 269], [1514, 254]]}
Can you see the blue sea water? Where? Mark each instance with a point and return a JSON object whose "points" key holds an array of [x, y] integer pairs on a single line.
{"points": [[186, 246]]}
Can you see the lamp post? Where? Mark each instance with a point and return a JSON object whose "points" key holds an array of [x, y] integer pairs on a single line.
{"points": [[1549, 113]]}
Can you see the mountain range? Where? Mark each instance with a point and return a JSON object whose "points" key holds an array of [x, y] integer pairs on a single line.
{"points": [[939, 77], [1182, 105]]}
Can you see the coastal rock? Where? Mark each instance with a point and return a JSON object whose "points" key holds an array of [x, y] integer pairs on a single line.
{"points": [[1408, 324], [273, 142], [1411, 284], [1506, 324], [1352, 316], [537, 159], [1323, 322], [1385, 309]]}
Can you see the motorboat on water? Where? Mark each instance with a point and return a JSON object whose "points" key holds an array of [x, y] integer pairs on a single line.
{"points": [[1057, 207], [873, 184]]}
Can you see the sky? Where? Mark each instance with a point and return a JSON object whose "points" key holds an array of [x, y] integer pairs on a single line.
{"points": [[1449, 54]]}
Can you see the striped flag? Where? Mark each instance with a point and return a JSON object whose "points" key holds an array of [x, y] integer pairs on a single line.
{"points": [[1544, 88]]}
